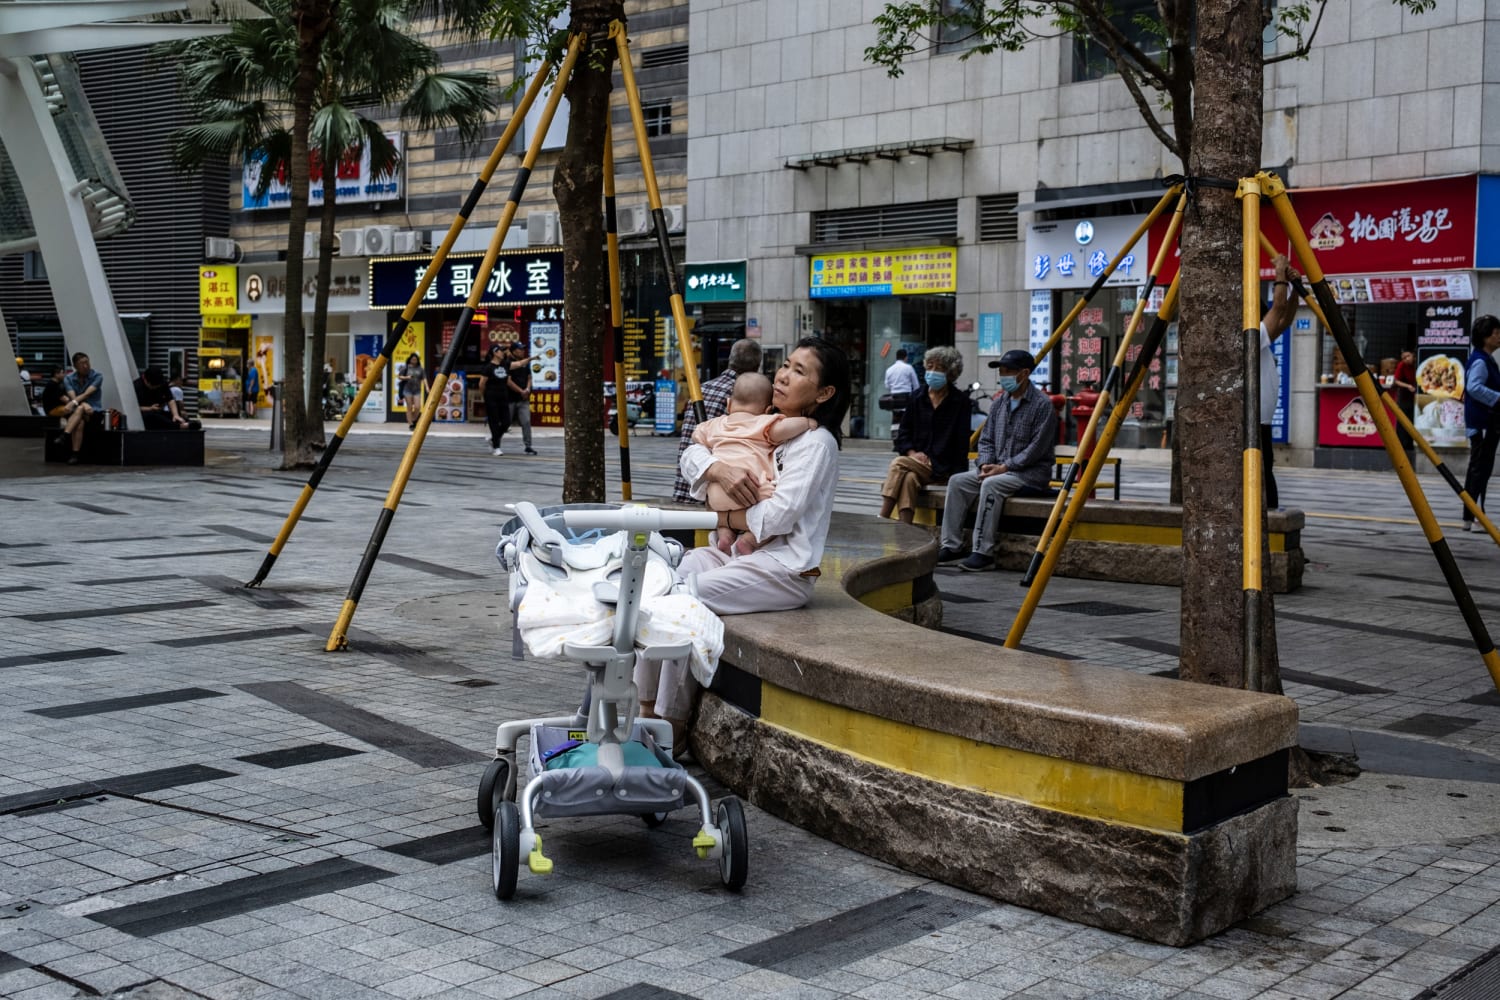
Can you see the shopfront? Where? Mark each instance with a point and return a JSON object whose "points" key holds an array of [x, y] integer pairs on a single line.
{"points": [[522, 301], [1064, 259], [714, 292], [876, 302], [354, 334]]}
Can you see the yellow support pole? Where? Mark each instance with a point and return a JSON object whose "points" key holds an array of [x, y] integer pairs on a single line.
{"points": [[1250, 471], [1272, 186], [616, 314], [659, 220], [1154, 339], [1111, 386], [339, 638], [372, 376]]}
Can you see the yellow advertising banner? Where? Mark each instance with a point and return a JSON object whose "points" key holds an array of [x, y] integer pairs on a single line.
{"points": [[218, 290], [264, 361], [915, 271], [413, 341], [231, 321]]}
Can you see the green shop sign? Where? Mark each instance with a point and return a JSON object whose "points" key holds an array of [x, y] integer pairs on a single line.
{"points": [[716, 281]]}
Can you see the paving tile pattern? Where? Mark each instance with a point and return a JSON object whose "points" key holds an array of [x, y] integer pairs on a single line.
{"points": [[243, 846]]}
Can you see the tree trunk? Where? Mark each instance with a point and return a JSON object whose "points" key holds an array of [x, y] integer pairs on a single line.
{"points": [[313, 18], [1225, 145], [314, 435], [578, 186]]}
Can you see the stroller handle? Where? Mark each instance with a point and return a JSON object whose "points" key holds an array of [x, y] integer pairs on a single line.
{"points": [[639, 517]]}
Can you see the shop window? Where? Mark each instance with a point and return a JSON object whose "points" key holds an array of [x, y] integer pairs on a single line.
{"points": [[33, 268], [998, 222], [658, 117]]}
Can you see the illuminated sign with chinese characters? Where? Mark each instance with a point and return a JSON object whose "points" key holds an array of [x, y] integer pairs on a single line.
{"points": [[218, 290], [718, 281], [1072, 253], [918, 271], [519, 278]]}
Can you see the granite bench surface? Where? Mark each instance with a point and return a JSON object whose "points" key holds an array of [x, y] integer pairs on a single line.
{"points": [[840, 651]]}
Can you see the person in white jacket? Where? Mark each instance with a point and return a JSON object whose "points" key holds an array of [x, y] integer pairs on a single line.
{"points": [[793, 523]]}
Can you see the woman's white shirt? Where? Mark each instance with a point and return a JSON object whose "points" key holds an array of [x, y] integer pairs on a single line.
{"points": [[796, 516]]}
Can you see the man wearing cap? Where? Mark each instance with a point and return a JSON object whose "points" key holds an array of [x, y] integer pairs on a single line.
{"points": [[1015, 454]]}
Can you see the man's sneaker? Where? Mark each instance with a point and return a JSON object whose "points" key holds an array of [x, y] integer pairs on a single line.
{"points": [[531, 451], [977, 563], [497, 451], [949, 555]]}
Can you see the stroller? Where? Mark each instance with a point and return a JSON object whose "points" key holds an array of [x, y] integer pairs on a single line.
{"points": [[602, 760]]}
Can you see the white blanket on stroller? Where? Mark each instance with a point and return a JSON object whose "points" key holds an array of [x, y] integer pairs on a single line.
{"points": [[548, 618]]}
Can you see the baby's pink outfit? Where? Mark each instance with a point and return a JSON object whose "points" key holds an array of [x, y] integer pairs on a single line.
{"points": [[743, 440]]}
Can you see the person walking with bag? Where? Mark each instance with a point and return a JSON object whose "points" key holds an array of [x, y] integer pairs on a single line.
{"points": [[494, 386], [520, 393]]}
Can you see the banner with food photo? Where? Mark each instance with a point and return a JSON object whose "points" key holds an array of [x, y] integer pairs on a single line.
{"points": [[1442, 352], [546, 352], [451, 407]]}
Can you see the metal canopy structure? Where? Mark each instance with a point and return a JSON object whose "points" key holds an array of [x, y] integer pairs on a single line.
{"points": [[59, 187]]}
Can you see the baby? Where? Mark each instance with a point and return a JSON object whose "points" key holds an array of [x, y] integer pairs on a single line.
{"points": [[745, 437]]}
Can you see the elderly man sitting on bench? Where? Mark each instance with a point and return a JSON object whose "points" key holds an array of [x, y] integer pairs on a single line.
{"points": [[1016, 450]]}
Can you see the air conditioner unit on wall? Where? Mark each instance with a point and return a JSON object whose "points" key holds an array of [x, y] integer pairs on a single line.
{"points": [[543, 229], [352, 242], [407, 241], [633, 220], [379, 240], [676, 218], [219, 248]]}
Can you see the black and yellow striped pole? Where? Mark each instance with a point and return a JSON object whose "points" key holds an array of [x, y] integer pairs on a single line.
{"points": [[616, 314], [659, 222], [393, 339], [1111, 388], [1158, 332], [338, 638], [1173, 193], [1250, 456], [1272, 186], [1401, 418]]}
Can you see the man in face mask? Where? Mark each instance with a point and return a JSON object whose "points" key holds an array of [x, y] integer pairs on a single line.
{"points": [[1016, 450]]}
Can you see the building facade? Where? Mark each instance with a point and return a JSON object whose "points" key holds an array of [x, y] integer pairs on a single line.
{"points": [[936, 208]]}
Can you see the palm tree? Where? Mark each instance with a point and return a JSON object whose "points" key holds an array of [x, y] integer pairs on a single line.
{"points": [[306, 84]]}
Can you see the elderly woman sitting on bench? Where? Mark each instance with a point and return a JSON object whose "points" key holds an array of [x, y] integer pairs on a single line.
{"points": [[933, 442]]}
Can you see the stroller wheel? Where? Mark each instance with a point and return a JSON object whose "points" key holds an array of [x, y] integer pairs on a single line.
{"points": [[493, 790], [734, 854], [654, 820], [505, 849]]}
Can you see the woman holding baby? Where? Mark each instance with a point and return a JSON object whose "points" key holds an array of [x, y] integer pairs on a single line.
{"points": [[787, 530]]}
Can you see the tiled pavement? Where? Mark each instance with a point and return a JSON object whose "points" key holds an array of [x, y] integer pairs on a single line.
{"points": [[196, 801]]}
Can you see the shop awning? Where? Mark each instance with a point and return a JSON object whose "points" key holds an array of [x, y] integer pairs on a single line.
{"points": [[1048, 199]]}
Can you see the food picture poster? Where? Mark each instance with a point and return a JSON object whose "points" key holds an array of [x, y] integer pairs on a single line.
{"points": [[1442, 354], [451, 406], [546, 351]]}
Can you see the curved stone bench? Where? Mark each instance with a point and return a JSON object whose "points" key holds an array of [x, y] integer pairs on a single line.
{"points": [[1139, 804]]}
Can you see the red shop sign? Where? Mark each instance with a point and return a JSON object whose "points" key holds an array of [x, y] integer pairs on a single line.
{"points": [[1343, 419], [1409, 226], [1413, 226]]}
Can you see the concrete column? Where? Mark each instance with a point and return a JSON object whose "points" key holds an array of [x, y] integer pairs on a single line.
{"points": [[85, 307], [12, 396]]}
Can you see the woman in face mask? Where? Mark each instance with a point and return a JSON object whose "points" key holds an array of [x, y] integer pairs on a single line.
{"points": [[933, 442]]}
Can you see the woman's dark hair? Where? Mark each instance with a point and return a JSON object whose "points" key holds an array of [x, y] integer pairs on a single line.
{"points": [[413, 357], [1483, 327], [833, 370]]}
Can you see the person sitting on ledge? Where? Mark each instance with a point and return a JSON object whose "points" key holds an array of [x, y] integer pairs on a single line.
{"points": [[58, 402], [159, 410], [933, 442], [1016, 450]]}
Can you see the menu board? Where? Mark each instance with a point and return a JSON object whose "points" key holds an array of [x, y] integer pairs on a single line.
{"points": [[546, 350], [450, 408], [1438, 287]]}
